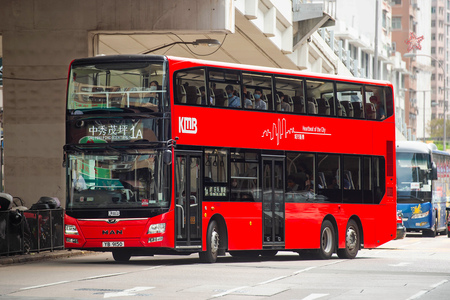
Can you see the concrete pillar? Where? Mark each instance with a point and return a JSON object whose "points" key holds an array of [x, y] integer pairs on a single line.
{"points": [[40, 38]]}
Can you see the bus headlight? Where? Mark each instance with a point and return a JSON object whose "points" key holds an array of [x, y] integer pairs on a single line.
{"points": [[157, 228], [71, 230], [419, 216]]}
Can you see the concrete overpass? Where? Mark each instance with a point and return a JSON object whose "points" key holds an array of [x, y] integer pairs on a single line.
{"points": [[39, 39]]}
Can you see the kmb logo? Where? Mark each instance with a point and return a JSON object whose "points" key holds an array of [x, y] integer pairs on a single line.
{"points": [[187, 125]]}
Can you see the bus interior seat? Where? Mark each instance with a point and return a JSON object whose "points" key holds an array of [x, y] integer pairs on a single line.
{"points": [[357, 109], [348, 176], [268, 102], [252, 98], [323, 106], [290, 102], [192, 94], [300, 179], [299, 104], [181, 94], [97, 96], [312, 106], [246, 196], [276, 102], [221, 98], [348, 108], [322, 182], [115, 95], [371, 112]]}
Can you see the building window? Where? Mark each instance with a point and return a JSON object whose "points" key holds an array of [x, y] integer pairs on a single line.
{"points": [[396, 23]]}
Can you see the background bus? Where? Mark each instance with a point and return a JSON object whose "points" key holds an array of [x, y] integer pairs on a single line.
{"points": [[198, 164], [422, 187]]}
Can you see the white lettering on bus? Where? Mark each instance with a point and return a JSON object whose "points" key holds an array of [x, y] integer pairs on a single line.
{"points": [[187, 125]]}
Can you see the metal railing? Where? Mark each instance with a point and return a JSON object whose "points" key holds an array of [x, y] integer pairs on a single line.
{"points": [[344, 55], [22, 232]]}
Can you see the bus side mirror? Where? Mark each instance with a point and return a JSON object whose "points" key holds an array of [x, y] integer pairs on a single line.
{"points": [[434, 173], [167, 157]]}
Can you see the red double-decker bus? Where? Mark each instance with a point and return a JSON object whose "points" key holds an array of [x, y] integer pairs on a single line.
{"points": [[170, 155]]}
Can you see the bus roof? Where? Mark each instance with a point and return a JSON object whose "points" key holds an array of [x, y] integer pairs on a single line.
{"points": [[196, 62], [277, 70], [413, 147]]}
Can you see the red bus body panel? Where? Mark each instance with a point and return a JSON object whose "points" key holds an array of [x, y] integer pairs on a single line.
{"points": [[222, 127], [131, 231], [233, 128]]}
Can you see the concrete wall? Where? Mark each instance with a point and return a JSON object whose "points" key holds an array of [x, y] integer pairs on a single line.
{"points": [[40, 38]]}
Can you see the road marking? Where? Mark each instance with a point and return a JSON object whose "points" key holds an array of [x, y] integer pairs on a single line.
{"points": [[417, 295], [402, 264], [103, 276], [229, 291], [272, 280], [129, 292], [152, 268], [332, 263], [304, 270], [83, 279], [314, 296], [439, 283], [421, 293], [44, 285]]}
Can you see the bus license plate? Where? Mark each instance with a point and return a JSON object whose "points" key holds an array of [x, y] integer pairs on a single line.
{"points": [[113, 244]]}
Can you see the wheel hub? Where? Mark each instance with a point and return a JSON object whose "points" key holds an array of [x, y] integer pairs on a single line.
{"points": [[214, 241], [351, 239]]}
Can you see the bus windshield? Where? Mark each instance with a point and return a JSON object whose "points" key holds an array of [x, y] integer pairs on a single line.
{"points": [[413, 177], [113, 180], [117, 87]]}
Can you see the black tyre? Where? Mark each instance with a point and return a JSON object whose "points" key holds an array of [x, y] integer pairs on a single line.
{"points": [[327, 240], [121, 255], [212, 244], [352, 241]]}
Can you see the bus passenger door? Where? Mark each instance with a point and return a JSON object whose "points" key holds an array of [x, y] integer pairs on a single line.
{"points": [[188, 200], [273, 201]]}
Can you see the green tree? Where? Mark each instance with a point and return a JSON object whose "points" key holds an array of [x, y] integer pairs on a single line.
{"points": [[435, 130]]}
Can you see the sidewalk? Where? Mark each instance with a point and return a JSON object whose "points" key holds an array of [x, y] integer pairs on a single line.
{"points": [[44, 255]]}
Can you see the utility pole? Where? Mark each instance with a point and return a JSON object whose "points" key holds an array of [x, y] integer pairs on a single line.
{"points": [[375, 56]]}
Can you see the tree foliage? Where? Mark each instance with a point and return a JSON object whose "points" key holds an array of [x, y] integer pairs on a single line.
{"points": [[435, 130]]}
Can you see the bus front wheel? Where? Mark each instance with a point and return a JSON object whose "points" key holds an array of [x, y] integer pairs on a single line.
{"points": [[352, 241], [212, 244], [327, 240]]}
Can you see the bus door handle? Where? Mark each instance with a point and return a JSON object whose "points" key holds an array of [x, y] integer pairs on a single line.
{"points": [[182, 211]]}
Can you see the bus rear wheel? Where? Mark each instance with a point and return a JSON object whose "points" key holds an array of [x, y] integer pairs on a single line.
{"points": [[121, 255], [327, 240], [352, 241], [212, 244]]}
